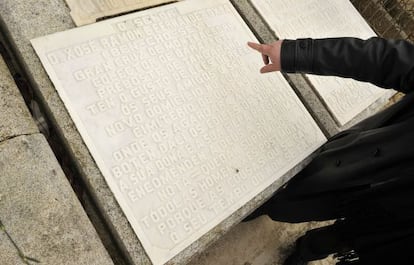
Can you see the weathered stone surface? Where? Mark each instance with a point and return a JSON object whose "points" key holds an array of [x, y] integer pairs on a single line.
{"points": [[14, 115], [39, 209], [87, 12], [8, 252], [191, 132], [344, 98]]}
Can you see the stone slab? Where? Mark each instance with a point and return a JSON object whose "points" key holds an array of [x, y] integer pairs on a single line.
{"points": [[344, 98], [89, 11], [158, 97], [14, 115], [39, 209]]}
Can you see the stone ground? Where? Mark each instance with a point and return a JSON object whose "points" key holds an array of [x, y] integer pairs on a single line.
{"points": [[259, 242]]}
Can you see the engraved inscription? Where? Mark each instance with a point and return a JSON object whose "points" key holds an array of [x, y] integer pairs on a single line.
{"points": [[88, 11], [345, 98], [174, 111]]}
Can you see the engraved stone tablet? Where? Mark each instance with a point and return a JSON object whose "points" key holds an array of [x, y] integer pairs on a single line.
{"points": [[172, 107], [88, 11], [345, 98]]}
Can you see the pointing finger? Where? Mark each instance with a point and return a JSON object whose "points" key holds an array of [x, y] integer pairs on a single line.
{"points": [[255, 46], [262, 48]]}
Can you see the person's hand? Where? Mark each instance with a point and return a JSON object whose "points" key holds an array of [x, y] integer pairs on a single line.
{"points": [[270, 54]]}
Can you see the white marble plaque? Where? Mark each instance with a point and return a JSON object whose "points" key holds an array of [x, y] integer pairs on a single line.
{"points": [[88, 11], [172, 107], [345, 98]]}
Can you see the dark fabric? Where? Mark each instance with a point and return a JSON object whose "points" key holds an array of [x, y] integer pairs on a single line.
{"points": [[365, 174], [386, 63]]}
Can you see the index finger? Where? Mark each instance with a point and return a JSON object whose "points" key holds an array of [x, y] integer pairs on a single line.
{"points": [[262, 48]]}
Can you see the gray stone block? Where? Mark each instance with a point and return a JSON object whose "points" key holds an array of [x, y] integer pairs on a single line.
{"points": [[14, 115], [8, 252], [39, 210]]}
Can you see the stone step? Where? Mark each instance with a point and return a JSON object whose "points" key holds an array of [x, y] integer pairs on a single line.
{"points": [[39, 210]]}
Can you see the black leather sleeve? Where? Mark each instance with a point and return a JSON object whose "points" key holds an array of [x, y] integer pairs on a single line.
{"points": [[385, 63]]}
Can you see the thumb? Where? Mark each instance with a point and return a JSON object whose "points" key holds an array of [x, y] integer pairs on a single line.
{"points": [[268, 68]]}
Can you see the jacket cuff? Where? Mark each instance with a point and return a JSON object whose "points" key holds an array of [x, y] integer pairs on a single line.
{"points": [[297, 55], [287, 56]]}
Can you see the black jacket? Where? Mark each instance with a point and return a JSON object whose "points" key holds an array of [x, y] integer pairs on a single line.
{"points": [[366, 173], [379, 149]]}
